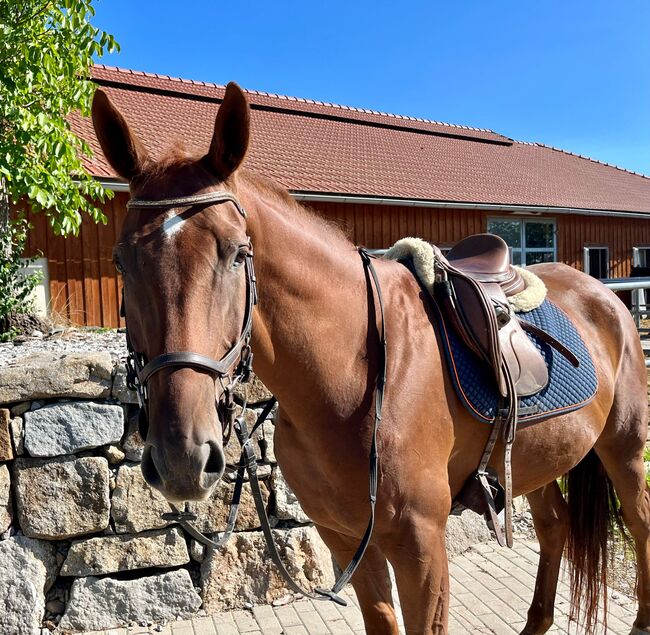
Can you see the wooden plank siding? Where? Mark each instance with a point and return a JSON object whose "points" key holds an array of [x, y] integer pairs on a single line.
{"points": [[85, 288]]}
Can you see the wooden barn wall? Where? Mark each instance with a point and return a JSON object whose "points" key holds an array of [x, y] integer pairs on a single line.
{"points": [[85, 288], [619, 234], [84, 285], [378, 226]]}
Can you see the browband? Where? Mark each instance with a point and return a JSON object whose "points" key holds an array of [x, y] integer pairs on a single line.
{"points": [[185, 201]]}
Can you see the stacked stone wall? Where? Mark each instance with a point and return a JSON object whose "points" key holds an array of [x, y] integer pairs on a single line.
{"points": [[81, 527], [83, 545]]}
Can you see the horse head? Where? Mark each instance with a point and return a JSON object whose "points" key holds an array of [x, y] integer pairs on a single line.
{"points": [[183, 254]]}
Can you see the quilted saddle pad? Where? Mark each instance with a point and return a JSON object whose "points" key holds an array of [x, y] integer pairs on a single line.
{"points": [[569, 388]]}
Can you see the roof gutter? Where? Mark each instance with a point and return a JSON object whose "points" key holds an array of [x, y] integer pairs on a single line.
{"points": [[488, 207], [115, 186], [121, 186]]}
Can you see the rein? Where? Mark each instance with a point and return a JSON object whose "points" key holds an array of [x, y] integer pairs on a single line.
{"points": [[139, 371]]}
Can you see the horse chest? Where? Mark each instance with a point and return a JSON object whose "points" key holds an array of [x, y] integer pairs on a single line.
{"points": [[326, 473]]}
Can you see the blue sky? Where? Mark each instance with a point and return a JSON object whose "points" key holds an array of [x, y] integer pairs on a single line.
{"points": [[573, 74]]}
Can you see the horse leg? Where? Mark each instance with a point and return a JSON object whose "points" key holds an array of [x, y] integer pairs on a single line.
{"points": [[371, 582], [419, 559], [623, 461], [549, 511]]}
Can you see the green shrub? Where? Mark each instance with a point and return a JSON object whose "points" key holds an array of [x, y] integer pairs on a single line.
{"points": [[15, 285]]}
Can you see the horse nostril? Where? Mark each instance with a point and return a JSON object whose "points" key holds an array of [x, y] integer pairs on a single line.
{"points": [[215, 465], [149, 470]]}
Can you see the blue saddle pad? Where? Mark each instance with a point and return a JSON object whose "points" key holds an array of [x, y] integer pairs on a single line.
{"points": [[569, 388]]}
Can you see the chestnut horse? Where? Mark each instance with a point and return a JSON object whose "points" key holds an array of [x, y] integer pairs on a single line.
{"points": [[316, 346]]}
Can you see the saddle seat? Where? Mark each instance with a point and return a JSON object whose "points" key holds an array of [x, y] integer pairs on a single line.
{"points": [[486, 259]]}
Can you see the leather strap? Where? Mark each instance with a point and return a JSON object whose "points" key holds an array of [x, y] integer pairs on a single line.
{"points": [[547, 338], [248, 460], [218, 196]]}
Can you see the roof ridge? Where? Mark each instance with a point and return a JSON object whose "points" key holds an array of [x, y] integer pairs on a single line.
{"points": [[582, 156], [315, 102]]}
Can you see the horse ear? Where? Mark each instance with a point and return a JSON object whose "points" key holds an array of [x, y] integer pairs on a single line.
{"points": [[120, 146], [231, 133]]}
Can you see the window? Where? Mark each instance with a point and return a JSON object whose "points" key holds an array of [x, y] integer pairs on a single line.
{"points": [[530, 241], [596, 261], [641, 257]]}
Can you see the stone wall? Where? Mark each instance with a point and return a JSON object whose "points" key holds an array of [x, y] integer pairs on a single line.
{"points": [[82, 542], [80, 526]]}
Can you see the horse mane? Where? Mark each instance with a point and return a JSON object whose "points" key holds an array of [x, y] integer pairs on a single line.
{"points": [[302, 214]]}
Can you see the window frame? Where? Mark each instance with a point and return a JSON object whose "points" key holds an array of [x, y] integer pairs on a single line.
{"points": [[585, 259], [635, 255], [523, 250]]}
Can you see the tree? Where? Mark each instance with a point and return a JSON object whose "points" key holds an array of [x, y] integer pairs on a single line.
{"points": [[46, 52]]}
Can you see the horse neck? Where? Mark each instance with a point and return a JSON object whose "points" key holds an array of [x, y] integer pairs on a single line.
{"points": [[312, 316]]}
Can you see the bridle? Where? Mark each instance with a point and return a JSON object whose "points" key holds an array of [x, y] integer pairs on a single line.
{"points": [[233, 368]]}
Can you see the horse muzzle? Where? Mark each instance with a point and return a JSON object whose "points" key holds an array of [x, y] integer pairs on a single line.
{"points": [[183, 474]]}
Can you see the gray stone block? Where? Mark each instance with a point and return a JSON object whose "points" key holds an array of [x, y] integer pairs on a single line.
{"points": [[48, 375], [6, 508], [65, 428], [138, 507], [62, 498], [242, 572], [27, 571], [287, 506], [110, 554], [97, 604]]}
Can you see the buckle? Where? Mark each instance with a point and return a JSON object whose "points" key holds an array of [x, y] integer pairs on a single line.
{"points": [[179, 516], [503, 315]]}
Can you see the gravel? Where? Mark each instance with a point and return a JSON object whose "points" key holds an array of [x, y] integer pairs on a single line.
{"points": [[66, 340]]}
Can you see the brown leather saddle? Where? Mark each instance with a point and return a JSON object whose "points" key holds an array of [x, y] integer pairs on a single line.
{"points": [[472, 286]]}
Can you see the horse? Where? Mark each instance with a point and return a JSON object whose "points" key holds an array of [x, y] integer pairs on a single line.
{"points": [[316, 345]]}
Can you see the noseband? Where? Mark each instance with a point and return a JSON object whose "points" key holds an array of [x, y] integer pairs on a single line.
{"points": [[233, 368]]}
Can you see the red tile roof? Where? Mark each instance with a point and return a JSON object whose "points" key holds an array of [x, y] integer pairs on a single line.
{"points": [[314, 147]]}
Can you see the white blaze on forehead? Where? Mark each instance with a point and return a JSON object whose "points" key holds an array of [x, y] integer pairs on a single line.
{"points": [[172, 224]]}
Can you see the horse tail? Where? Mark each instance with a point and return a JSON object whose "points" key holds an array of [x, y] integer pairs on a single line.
{"points": [[593, 514]]}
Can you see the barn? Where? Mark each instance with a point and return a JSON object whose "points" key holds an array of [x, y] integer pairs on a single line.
{"points": [[382, 176]]}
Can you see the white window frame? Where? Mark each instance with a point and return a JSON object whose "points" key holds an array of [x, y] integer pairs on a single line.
{"points": [[585, 259], [523, 249], [636, 261]]}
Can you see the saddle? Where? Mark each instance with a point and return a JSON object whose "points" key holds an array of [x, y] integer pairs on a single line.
{"points": [[475, 287], [472, 285]]}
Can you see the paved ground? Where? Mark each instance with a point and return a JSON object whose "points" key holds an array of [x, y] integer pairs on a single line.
{"points": [[490, 587]]}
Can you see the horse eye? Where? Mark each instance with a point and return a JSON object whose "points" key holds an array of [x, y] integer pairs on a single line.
{"points": [[240, 257]]}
